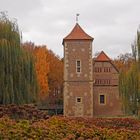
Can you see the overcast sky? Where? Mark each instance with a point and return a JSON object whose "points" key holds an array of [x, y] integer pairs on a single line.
{"points": [[112, 23]]}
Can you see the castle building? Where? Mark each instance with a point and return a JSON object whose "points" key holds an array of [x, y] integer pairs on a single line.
{"points": [[90, 86]]}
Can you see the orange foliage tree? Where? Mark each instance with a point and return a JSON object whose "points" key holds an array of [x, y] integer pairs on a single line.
{"points": [[55, 77], [124, 62], [49, 70], [40, 54], [42, 69]]}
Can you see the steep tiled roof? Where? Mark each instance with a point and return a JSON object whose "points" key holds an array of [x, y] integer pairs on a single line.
{"points": [[102, 57], [77, 33]]}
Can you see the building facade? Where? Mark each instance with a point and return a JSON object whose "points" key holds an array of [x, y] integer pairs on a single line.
{"points": [[83, 95], [106, 87]]}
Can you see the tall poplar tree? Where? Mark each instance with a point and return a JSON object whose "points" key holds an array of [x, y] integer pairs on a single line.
{"points": [[130, 81], [138, 46]]}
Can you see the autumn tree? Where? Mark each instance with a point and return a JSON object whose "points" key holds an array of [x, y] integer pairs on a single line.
{"points": [[124, 61], [17, 76], [55, 78], [40, 54], [42, 70]]}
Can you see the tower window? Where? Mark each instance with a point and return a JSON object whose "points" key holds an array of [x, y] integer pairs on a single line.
{"points": [[79, 99], [78, 66], [102, 99]]}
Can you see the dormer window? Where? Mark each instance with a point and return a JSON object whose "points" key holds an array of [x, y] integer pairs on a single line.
{"points": [[78, 66]]}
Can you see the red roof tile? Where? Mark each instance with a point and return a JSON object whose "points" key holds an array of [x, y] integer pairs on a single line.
{"points": [[102, 57], [77, 33]]}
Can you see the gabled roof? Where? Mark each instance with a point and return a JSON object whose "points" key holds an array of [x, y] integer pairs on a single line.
{"points": [[102, 57], [77, 33]]}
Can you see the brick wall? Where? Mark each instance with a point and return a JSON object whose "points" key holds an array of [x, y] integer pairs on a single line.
{"points": [[110, 90], [78, 85]]}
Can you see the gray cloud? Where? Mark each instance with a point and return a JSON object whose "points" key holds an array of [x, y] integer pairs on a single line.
{"points": [[112, 23]]}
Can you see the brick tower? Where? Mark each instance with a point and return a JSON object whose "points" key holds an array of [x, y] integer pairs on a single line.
{"points": [[78, 74]]}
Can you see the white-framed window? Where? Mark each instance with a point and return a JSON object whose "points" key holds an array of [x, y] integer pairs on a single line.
{"points": [[78, 66]]}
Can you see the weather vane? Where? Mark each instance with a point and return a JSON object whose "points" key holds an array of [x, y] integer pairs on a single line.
{"points": [[77, 15]]}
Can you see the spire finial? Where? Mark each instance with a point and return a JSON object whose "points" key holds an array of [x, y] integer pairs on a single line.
{"points": [[77, 15]]}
